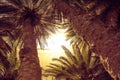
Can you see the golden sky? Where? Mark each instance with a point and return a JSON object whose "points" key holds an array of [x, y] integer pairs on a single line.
{"points": [[53, 50]]}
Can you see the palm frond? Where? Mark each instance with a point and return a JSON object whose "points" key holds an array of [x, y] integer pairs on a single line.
{"points": [[89, 56], [56, 65], [4, 9], [57, 70], [95, 60], [43, 5], [5, 50], [39, 12], [16, 3], [9, 52], [4, 46], [49, 74], [78, 54], [63, 61], [71, 35], [3, 60], [35, 1], [77, 3], [6, 25], [2, 70], [78, 64], [68, 54]]}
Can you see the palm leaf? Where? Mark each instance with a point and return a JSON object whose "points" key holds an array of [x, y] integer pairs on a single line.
{"points": [[2, 70], [4, 61], [8, 54], [4, 46], [57, 70], [69, 55], [35, 1], [71, 35], [77, 54], [49, 74], [42, 18], [7, 9], [5, 25], [84, 62], [56, 65], [95, 60], [63, 61], [89, 56], [16, 3]]}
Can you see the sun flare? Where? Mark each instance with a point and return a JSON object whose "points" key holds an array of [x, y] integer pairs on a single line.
{"points": [[56, 41], [54, 44]]}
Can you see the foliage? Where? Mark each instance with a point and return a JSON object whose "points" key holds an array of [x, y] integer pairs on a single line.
{"points": [[82, 64], [72, 36], [97, 23], [40, 13], [9, 61]]}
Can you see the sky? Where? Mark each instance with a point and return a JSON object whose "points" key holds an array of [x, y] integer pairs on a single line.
{"points": [[53, 50]]}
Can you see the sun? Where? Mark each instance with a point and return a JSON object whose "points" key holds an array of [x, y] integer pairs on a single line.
{"points": [[54, 49], [55, 42]]}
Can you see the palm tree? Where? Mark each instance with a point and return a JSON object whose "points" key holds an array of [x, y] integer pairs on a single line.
{"points": [[82, 64], [35, 20], [98, 23], [76, 40]]}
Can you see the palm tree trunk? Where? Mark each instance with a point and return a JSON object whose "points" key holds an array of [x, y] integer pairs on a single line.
{"points": [[105, 41], [30, 68]]}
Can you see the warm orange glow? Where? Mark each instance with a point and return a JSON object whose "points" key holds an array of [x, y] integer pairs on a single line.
{"points": [[55, 42], [53, 50]]}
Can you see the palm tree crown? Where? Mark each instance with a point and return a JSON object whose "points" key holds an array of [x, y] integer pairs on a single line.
{"points": [[39, 14], [34, 19]]}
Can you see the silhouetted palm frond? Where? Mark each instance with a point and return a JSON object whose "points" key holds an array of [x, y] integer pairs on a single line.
{"points": [[71, 34], [9, 60], [79, 64]]}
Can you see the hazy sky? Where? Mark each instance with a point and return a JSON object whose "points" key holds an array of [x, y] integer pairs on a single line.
{"points": [[53, 50]]}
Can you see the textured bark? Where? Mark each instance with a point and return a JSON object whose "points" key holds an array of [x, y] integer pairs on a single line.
{"points": [[29, 68], [29, 39], [103, 35]]}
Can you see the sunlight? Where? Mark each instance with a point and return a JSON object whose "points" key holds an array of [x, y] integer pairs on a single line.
{"points": [[57, 40], [53, 50], [54, 44]]}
